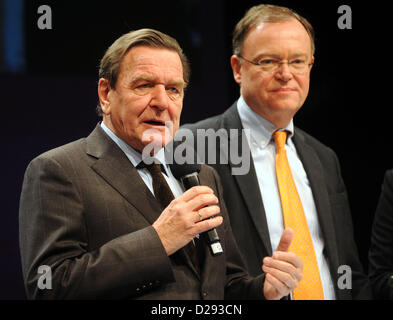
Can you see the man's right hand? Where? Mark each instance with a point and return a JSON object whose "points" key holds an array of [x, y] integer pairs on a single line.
{"points": [[284, 270], [186, 216]]}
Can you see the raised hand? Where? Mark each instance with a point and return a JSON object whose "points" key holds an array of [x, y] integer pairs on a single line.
{"points": [[283, 270]]}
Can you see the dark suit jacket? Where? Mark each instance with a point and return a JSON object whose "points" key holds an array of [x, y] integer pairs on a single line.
{"points": [[247, 213], [381, 248], [86, 213]]}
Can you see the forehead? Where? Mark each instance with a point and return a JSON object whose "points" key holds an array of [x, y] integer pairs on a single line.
{"points": [[154, 62], [277, 37]]}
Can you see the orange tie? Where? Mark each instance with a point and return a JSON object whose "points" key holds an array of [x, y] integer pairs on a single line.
{"points": [[310, 287]]}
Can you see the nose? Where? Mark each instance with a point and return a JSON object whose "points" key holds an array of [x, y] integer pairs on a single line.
{"points": [[159, 98], [283, 72]]}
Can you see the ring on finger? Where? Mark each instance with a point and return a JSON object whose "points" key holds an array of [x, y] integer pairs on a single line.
{"points": [[200, 216]]}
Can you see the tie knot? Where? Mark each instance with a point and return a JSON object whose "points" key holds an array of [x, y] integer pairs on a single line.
{"points": [[280, 137], [154, 168]]}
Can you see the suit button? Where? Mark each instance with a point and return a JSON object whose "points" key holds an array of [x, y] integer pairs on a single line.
{"points": [[204, 294]]}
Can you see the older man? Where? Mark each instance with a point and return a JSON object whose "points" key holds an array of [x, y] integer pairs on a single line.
{"points": [[294, 181], [103, 224]]}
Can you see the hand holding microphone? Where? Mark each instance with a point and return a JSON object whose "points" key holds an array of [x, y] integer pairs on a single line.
{"points": [[194, 212], [181, 221], [188, 175]]}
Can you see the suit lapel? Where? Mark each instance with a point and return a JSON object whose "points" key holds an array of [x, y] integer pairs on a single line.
{"points": [[314, 171], [248, 183], [115, 168]]}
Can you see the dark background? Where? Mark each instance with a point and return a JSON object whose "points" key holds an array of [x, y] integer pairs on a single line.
{"points": [[51, 101]]}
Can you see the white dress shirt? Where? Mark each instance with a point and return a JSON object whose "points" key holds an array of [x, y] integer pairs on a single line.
{"points": [[263, 151]]}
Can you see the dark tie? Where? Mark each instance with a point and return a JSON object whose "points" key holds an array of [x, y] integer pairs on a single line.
{"points": [[161, 188], [164, 195]]}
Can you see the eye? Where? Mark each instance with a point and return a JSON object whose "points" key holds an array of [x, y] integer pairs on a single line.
{"points": [[144, 85], [174, 90], [267, 62], [142, 88], [298, 61]]}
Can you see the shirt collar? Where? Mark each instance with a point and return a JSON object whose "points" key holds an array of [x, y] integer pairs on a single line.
{"points": [[133, 155], [261, 130]]}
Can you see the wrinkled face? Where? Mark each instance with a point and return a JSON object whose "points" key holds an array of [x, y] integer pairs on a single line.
{"points": [[276, 96], [149, 92]]}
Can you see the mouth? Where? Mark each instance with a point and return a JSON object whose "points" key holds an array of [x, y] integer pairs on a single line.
{"points": [[284, 89], [155, 122]]}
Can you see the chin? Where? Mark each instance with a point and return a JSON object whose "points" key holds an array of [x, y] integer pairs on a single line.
{"points": [[286, 105], [156, 140], [152, 146]]}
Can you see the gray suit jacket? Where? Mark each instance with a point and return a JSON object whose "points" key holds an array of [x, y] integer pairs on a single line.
{"points": [[86, 213], [247, 213]]}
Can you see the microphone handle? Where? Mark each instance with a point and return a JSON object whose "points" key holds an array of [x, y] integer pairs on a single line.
{"points": [[213, 241]]}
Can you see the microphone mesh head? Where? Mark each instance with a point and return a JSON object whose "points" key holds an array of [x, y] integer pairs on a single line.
{"points": [[181, 170], [187, 161]]}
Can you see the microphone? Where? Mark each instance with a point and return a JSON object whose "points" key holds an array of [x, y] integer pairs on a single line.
{"points": [[188, 175]]}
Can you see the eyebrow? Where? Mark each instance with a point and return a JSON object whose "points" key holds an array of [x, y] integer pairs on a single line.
{"points": [[148, 78], [278, 57], [179, 83], [142, 77]]}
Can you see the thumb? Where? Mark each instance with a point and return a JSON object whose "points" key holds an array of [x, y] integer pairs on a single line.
{"points": [[286, 240]]}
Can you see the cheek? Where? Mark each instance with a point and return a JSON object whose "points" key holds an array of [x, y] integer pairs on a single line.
{"points": [[132, 108], [175, 112], [259, 83], [253, 83], [304, 86], [260, 88]]}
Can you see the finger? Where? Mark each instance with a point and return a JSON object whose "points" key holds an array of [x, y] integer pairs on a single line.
{"points": [[286, 239], [284, 278], [281, 289], [201, 200], [207, 212], [207, 224], [288, 257], [194, 192], [284, 266]]}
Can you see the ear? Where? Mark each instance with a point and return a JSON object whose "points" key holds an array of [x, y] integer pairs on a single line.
{"points": [[103, 93], [312, 62], [236, 68]]}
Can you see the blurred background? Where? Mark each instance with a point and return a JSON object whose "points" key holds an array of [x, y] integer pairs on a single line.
{"points": [[48, 88]]}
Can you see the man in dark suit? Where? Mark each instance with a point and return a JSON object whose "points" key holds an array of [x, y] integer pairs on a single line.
{"points": [[97, 222], [381, 248], [273, 53]]}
